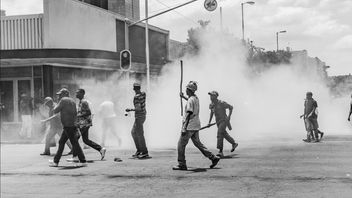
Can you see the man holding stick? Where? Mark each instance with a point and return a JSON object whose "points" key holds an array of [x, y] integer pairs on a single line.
{"points": [[218, 108], [190, 130]]}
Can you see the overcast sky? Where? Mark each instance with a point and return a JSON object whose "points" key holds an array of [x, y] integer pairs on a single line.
{"points": [[323, 27]]}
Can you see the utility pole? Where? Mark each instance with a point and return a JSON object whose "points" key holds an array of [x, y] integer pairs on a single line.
{"points": [[147, 46]]}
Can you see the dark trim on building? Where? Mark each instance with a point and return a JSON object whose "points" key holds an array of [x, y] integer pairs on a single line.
{"points": [[58, 53]]}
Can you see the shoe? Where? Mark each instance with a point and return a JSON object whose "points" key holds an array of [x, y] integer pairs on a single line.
{"points": [[117, 159], [73, 159], [321, 135], [81, 164], [306, 140], [136, 154], [179, 167], [53, 164], [220, 154], [316, 140], [142, 155], [102, 152], [214, 162], [45, 153], [234, 146]]}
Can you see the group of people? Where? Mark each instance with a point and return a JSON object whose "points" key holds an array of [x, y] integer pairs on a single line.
{"points": [[76, 123]]}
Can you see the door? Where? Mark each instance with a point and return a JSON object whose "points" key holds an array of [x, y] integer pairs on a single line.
{"points": [[6, 100]]}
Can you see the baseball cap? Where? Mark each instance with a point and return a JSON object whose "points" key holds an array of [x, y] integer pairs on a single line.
{"points": [[214, 93], [81, 91], [63, 91], [47, 99], [192, 85], [136, 84]]}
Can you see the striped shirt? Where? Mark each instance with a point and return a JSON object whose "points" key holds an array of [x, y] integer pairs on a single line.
{"points": [[139, 100]]}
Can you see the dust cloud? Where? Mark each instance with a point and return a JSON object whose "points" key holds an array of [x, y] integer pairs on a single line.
{"points": [[267, 105]]}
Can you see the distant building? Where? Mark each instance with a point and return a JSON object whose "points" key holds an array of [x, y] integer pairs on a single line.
{"points": [[309, 64], [71, 40], [127, 8], [2, 13], [341, 85]]}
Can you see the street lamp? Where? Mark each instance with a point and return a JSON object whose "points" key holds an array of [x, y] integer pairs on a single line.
{"points": [[250, 3], [277, 38]]}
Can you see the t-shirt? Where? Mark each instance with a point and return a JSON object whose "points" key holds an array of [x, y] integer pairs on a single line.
{"points": [[106, 109], [309, 105], [219, 110], [139, 99], [84, 116], [68, 111], [192, 106]]}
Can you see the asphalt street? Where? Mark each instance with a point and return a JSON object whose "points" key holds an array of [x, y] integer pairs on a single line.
{"points": [[280, 168]]}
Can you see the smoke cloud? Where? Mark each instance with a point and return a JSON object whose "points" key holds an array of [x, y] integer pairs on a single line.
{"points": [[265, 106]]}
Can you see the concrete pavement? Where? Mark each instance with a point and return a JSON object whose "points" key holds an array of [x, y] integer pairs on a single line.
{"points": [[279, 168]]}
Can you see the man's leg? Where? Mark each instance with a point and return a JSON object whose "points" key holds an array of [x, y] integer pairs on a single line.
{"points": [[87, 141], [220, 137], [181, 148], [77, 150], [140, 135], [62, 142], [196, 141], [135, 137]]}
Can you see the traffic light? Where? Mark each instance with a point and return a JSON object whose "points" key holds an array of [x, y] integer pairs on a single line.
{"points": [[125, 60]]}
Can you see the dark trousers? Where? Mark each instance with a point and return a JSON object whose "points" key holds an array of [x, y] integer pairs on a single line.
{"points": [[87, 141], [50, 136], [138, 135], [222, 134], [183, 141], [70, 133]]}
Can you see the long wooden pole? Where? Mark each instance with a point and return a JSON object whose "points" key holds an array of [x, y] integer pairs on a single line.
{"points": [[181, 99]]}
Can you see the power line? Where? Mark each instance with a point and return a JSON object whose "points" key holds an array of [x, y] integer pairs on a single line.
{"points": [[185, 17]]}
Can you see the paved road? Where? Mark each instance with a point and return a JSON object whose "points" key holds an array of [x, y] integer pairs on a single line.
{"points": [[257, 169]]}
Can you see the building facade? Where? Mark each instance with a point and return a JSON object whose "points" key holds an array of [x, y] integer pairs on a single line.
{"points": [[71, 40]]}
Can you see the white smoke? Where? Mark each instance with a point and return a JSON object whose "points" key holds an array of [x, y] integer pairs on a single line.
{"points": [[266, 106]]}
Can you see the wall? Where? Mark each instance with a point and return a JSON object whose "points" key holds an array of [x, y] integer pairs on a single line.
{"points": [[73, 24], [21, 32]]}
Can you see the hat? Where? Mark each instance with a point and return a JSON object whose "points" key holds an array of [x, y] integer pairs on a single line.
{"points": [[81, 91], [47, 99], [63, 91], [192, 86], [214, 93], [309, 93], [136, 84]]}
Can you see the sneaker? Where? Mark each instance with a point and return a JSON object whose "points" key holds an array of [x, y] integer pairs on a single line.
{"points": [[102, 152], [234, 146], [136, 154], [142, 155], [220, 154], [81, 164], [117, 159], [316, 140], [53, 164], [73, 159], [214, 162], [179, 167], [45, 153], [306, 140]]}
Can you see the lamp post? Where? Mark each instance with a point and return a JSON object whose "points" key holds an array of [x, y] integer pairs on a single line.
{"points": [[250, 3], [277, 38]]}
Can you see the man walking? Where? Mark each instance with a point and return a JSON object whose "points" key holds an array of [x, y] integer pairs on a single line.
{"points": [[84, 122], [55, 126], [218, 108], [68, 114], [140, 117], [108, 115], [190, 129], [311, 119]]}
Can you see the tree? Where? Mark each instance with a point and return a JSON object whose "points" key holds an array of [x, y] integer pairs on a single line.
{"points": [[194, 34]]}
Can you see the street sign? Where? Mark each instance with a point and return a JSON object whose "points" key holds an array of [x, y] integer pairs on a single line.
{"points": [[125, 60], [210, 5]]}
